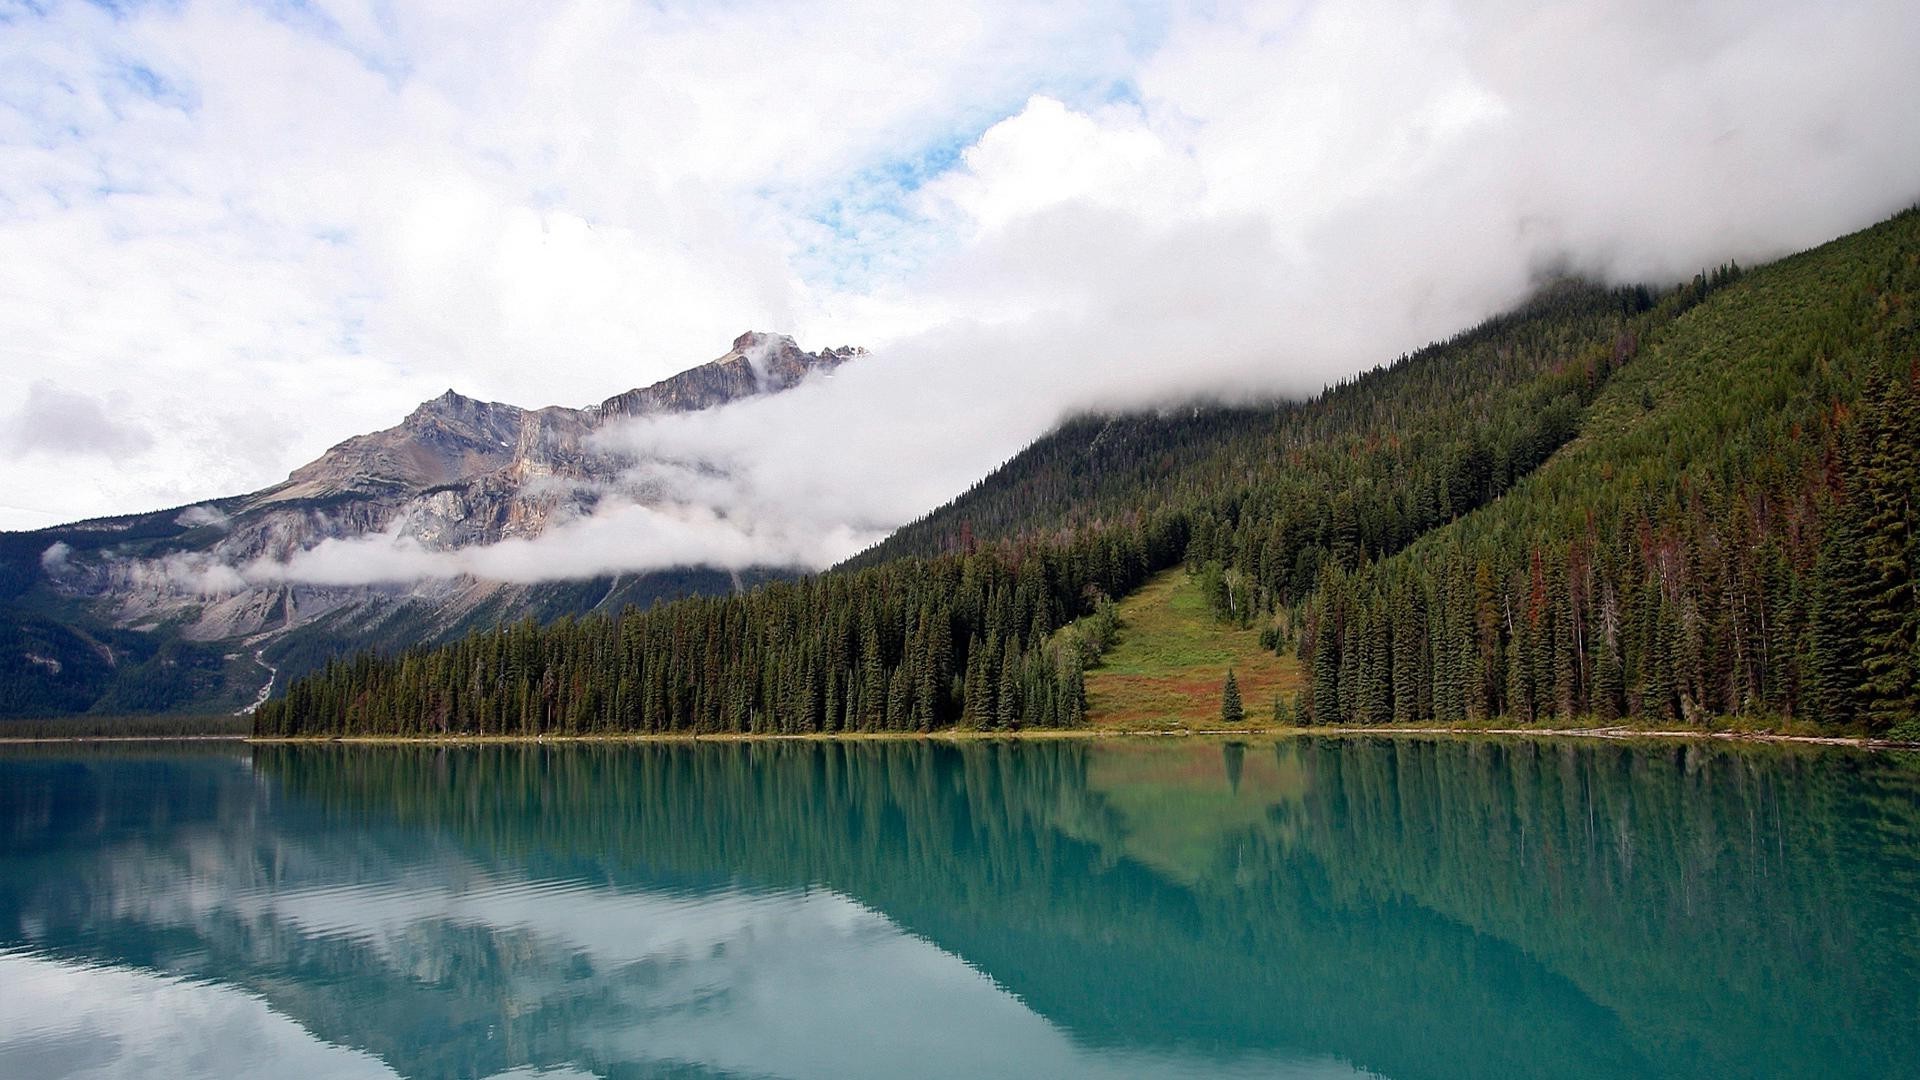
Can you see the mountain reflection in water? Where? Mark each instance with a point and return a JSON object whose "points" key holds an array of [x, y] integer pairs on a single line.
{"points": [[1310, 907]]}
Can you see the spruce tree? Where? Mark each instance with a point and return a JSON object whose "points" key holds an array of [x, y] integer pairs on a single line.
{"points": [[1006, 705], [1889, 609], [1073, 691], [1325, 688], [1231, 711]]}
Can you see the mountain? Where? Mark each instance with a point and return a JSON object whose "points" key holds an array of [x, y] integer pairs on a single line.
{"points": [[146, 612], [1663, 505]]}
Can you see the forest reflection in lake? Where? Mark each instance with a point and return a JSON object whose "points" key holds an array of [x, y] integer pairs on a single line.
{"points": [[1304, 907]]}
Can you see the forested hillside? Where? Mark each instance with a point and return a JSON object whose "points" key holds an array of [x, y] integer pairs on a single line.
{"points": [[1618, 503], [1360, 469], [1732, 533]]}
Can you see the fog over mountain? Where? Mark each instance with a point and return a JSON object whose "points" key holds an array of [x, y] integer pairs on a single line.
{"points": [[459, 496], [229, 215], [465, 515]]}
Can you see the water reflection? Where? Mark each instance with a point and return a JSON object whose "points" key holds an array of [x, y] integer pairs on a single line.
{"points": [[74, 1019], [1303, 908]]}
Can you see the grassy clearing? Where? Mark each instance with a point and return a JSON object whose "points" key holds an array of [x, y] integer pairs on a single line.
{"points": [[1166, 667]]}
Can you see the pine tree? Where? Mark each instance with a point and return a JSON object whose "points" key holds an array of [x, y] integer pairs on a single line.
{"points": [[1074, 690], [976, 710], [873, 674], [1376, 656], [1231, 711], [1884, 482], [1324, 690], [1006, 705], [1409, 638]]}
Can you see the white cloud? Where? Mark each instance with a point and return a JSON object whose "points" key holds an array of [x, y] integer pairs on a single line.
{"points": [[620, 537], [276, 228], [196, 516], [55, 559], [1026, 214]]}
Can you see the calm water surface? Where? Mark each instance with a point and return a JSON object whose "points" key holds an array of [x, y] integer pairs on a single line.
{"points": [[1306, 908]]}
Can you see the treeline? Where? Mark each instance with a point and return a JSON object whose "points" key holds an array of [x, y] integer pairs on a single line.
{"points": [[913, 645], [136, 726]]}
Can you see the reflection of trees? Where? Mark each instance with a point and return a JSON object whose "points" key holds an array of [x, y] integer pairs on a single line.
{"points": [[1424, 909], [1742, 910], [1511, 901]]}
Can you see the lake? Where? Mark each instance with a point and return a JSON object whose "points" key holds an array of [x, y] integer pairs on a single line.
{"points": [[1311, 907]]}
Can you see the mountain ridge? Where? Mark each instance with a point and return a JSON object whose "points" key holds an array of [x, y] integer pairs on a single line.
{"points": [[456, 472]]}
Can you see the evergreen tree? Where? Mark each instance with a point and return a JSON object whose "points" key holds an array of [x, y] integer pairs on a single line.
{"points": [[1883, 483], [1006, 713], [1231, 711]]}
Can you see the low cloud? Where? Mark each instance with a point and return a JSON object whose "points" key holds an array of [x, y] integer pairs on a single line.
{"points": [[196, 516], [191, 573], [56, 558], [620, 537]]}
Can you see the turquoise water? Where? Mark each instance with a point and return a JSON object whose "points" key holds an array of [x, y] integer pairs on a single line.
{"points": [[1305, 908]]}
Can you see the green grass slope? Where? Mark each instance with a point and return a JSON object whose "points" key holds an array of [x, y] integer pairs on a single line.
{"points": [[1169, 660]]}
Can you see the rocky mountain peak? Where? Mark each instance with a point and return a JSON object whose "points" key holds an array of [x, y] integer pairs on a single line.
{"points": [[454, 438], [757, 363], [455, 406]]}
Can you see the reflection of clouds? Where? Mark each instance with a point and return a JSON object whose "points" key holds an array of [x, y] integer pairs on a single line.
{"points": [[791, 984], [801, 983], [61, 1019], [612, 927]]}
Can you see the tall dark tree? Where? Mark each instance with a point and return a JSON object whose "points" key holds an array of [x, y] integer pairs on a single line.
{"points": [[1231, 710]]}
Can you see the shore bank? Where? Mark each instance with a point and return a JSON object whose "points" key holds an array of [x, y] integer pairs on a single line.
{"points": [[1614, 732]]}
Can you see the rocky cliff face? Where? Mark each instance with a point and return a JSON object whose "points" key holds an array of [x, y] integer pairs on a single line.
{"points": [[757, 364], [455, 473], [454, 440]]}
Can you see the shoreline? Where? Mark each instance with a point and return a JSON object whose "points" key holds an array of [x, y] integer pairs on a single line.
{"points": [[29, 740], [1612, 732]]}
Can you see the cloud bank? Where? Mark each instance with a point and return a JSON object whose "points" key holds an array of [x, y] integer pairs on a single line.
{"points": [[1024, 215], [623, 537]]}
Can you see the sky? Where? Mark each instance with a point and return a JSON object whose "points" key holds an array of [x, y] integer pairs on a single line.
{"points": [[233, 234]]}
